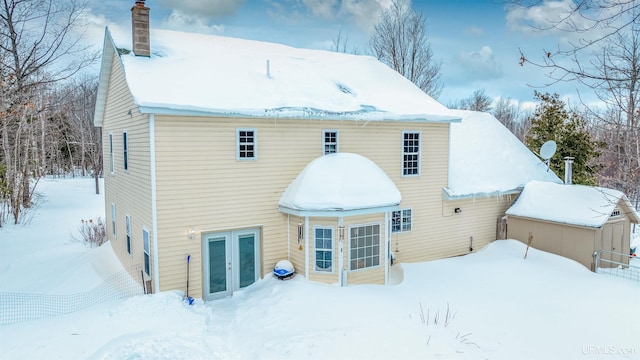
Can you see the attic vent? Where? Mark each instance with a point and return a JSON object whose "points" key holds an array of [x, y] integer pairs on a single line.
{"points": [[344, 88], [616, 213]]}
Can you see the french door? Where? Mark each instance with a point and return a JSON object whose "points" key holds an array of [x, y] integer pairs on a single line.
{"points": [[231, 261]]}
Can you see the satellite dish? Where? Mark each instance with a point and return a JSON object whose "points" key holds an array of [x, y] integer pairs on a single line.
{"points": [[548, 149]]}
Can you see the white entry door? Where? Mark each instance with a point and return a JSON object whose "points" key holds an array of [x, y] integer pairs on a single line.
{"points": [[231, 261]]}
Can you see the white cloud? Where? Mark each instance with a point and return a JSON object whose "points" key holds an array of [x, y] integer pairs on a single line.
{"points": [[474, 30], [480, 64], [324, 9], [178, 20], [204, 8]]}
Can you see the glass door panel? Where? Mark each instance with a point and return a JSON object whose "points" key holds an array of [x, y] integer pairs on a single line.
{"points": [[217, 264], [246, 259]]}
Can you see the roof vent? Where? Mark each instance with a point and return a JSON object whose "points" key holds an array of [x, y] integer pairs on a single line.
{"points": [[568, 171], [140, 29]]}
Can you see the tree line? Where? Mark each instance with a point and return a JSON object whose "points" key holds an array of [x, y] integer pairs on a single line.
{"points": [[46, 108]]}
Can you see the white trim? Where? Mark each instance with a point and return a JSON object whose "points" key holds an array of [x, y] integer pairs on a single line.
{"points": [[324, 115], [154, 201], [288, 237], [387, 245], [338, 213], [402, 174], [380, 244], [306, 248], [255, 144], [341, 275], [315, 249], [324, 137]]}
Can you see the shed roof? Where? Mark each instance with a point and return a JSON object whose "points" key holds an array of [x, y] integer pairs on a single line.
{"points": [[579, 205], [190, 73], [486, 158], [340, 184]]}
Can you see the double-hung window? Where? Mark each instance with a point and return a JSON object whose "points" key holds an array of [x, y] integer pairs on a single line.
{"points": [[111, 154], [329, 142], [364, 246], [147, 258], [401, 221], [410, 153], [113, 219], [246, 140], [127, 225], [324, 249], [125, 150]]}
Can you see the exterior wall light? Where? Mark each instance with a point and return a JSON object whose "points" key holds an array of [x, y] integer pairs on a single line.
{"points": [[191, 234], [300, 232]]}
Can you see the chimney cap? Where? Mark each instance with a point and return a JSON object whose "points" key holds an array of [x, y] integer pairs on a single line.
{"points": [[140, 3]]}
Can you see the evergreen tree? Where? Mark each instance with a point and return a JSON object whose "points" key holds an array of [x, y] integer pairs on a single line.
{"points": [[552, 121]]}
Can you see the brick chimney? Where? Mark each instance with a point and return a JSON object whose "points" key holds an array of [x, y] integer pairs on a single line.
{"points": [[140, 29]]}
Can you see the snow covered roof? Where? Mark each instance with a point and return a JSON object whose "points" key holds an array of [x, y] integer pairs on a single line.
{"points": [[341, 182], [190, 73], [570, 204], [486, 158]]}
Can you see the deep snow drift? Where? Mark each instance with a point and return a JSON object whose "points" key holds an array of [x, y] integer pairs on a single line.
{"points": [[492, 304]]}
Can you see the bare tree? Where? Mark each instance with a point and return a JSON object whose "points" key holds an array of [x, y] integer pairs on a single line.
{"points": [[478, 101], [399, 39], [512, 117], [37, 49], [341, 44]]}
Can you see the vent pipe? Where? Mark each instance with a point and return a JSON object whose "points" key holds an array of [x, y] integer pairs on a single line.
{"points": [[568, 170], [268, 69], [140, 29]]}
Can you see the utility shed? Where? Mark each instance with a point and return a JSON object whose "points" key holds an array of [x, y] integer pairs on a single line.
{"points": [[573, 221]]}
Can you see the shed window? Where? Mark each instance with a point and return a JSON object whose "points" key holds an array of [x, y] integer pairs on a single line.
{"points": [[616, 213], [364, 246], [410, 153], [246, 144]]}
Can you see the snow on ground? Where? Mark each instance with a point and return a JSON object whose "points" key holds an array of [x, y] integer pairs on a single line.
{"points": [[492, 304]]}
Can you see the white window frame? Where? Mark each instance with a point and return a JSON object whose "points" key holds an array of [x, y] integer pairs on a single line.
{"points": [[125, 150], [111, 153], [418, 153], [379, 248], [325, 143], [405, 217], [255, 144], [616, 213], [317, 269], [147, 253], [113, 220], [127, 227]]}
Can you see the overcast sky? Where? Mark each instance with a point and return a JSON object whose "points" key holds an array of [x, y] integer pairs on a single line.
{"points": [[478, 42]]}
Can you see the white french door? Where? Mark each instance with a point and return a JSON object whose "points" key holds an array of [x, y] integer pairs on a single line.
{"points": [[231, 261]]}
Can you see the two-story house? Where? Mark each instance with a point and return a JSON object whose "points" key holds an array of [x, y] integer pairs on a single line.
{"points": [[241, 153]]}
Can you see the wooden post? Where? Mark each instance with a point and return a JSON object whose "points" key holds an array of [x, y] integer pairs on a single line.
{"points": [[529, 241]]}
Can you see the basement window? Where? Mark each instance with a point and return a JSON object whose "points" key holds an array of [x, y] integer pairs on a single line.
{"points": [[329, 142]]}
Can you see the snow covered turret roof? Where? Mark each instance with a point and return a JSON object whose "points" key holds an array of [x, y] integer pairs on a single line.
{"points": [[190, 73], [570, 204], [486, 158], [341, 182]]}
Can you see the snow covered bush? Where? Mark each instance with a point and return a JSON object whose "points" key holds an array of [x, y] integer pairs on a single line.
{"points": [[93, 233]]}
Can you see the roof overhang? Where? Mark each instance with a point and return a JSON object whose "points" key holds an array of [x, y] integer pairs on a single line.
{"points": [[108, 51], [450, 195], [338, 212]]}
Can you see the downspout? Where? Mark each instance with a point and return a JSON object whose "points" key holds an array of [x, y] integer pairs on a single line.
{"points": [[306, 248], [154, 202], [387, 247], [341, 251]]}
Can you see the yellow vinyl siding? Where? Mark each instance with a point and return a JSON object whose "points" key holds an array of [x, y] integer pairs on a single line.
{"points": [[129, 190]]}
